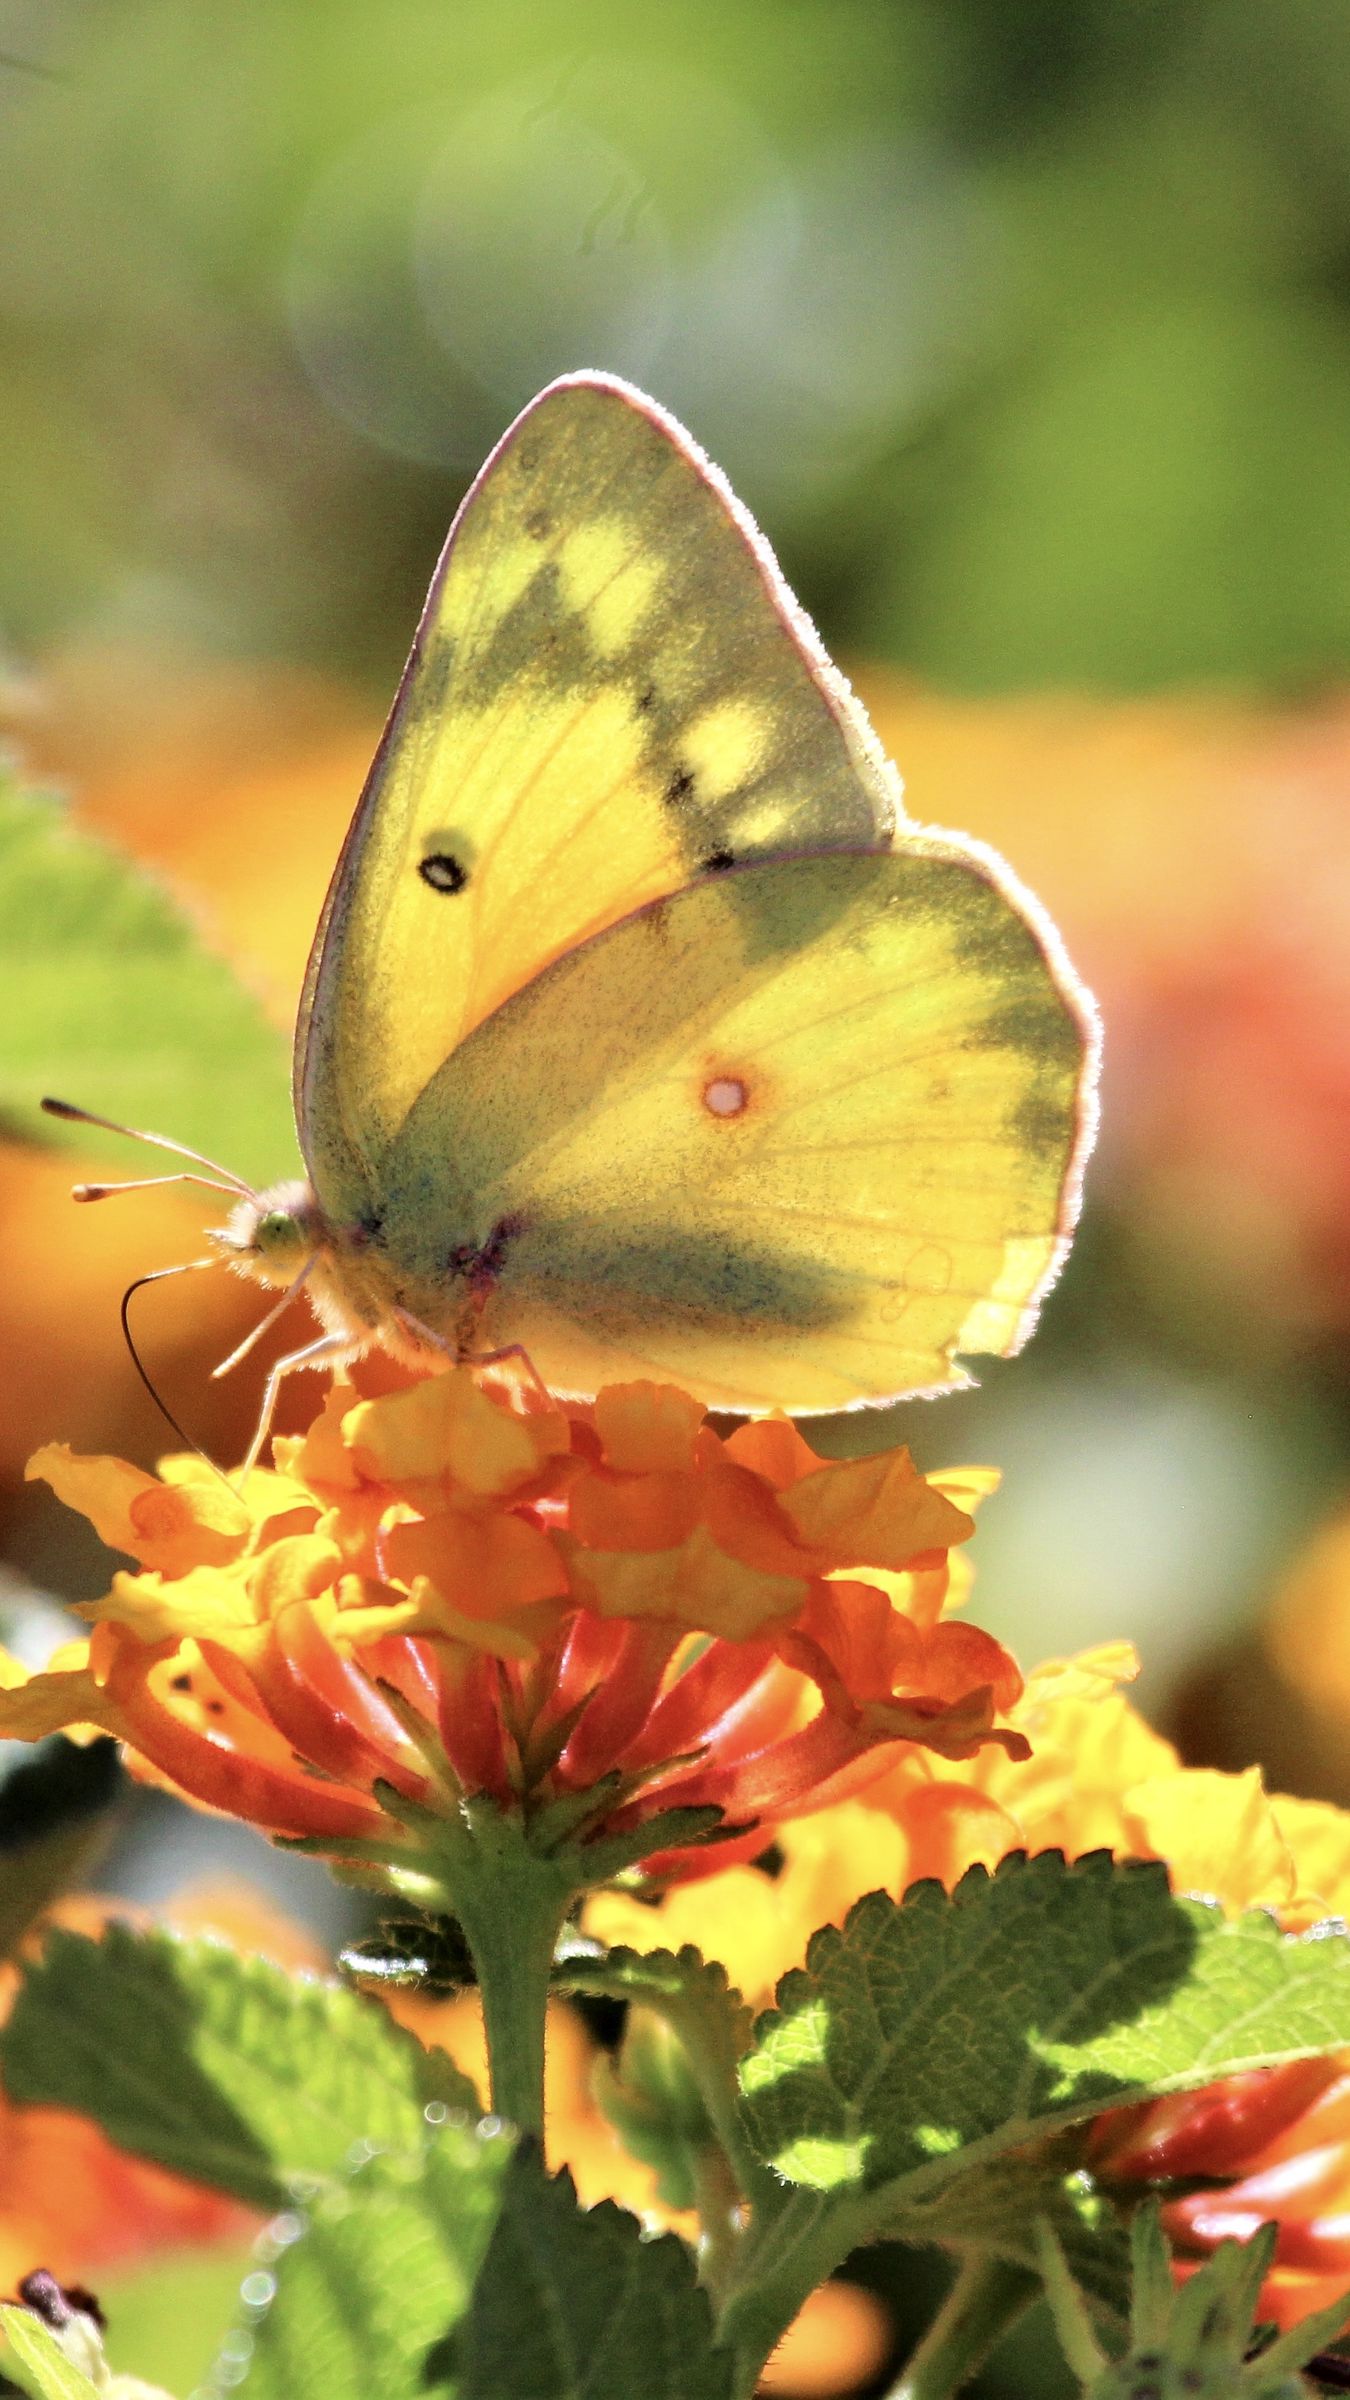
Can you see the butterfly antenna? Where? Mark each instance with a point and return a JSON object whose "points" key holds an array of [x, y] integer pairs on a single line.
{"points": [[224, 1181], [190, 1267], [263, 1325]]}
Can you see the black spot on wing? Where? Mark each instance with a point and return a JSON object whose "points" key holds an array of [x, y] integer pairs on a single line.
{"points": [[679, 789], [441, 871], [717, 862]]}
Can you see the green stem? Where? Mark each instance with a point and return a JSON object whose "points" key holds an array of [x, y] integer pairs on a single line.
{"points": [[717, 2196], [788, 2251], [988, 2296], [512, 1905]]}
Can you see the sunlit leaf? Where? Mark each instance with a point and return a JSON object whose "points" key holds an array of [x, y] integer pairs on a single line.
{"points": [[932, 2033], [366, 2292]]}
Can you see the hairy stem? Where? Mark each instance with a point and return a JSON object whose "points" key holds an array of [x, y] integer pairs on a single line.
{"points": [[988, 2296]]}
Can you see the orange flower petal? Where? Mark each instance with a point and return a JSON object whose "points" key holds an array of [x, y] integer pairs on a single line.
{"points": [[481, 1566], [838, 2342], [647, 1428], [874, 1512], [632, 1512], [748, 1521], [773, 1447]]}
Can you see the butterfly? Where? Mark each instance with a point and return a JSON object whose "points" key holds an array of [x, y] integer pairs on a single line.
{"points": [[643, 1033]]}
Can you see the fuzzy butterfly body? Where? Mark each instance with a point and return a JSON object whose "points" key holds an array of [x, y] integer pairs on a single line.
{"points": [[642, 1030]]}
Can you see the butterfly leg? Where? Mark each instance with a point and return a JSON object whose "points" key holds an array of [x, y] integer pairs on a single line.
{"points": [[331, 1349], [517, 1353], [462, 1356]]}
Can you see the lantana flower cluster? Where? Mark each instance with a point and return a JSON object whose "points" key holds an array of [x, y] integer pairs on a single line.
{"points": [[467, 1587]]}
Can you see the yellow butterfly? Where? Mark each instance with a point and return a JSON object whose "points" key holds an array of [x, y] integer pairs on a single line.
{"points": [[642, 1030]]}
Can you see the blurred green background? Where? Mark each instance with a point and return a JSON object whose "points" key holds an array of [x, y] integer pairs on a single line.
{"points": [[1023, 326]]}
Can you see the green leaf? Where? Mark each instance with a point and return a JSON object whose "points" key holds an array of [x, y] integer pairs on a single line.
{"points": [[113, 1000], [224, 2068], [576, 2304], [941, 2030], [371, 2282], [46, 2368], [932, 2036]]}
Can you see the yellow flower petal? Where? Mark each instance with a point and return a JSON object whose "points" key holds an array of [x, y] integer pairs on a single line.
{"points": [[738, 1917], [517, 1635], [170, 1526], [1089, 1675], [210, 1604], [1318, 1835], [298, 1567], [966, 1487], [1219, 1835], [64, 1697], [320, 1458], [695, 1585], [448, 1429]]}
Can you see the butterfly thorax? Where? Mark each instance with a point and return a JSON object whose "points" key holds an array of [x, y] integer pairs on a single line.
{"points": [[277, 1236]]}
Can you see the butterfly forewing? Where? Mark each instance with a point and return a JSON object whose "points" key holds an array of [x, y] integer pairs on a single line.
{"points": [[611, 693]]}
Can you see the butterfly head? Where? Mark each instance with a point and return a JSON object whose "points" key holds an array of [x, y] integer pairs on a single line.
{"points": [[270, 1236]]}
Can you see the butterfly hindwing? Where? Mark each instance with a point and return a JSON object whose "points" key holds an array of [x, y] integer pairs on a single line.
{"points": [[797, 1136], [611, 693]]}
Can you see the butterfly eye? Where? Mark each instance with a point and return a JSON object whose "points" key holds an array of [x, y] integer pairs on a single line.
{"points": [[443, 872], [274, 1229]]}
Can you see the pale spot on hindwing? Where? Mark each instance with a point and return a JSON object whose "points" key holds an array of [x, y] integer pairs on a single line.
{"points": [[726, 1096], [725, 747], [609, 581], [761, 829]]}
